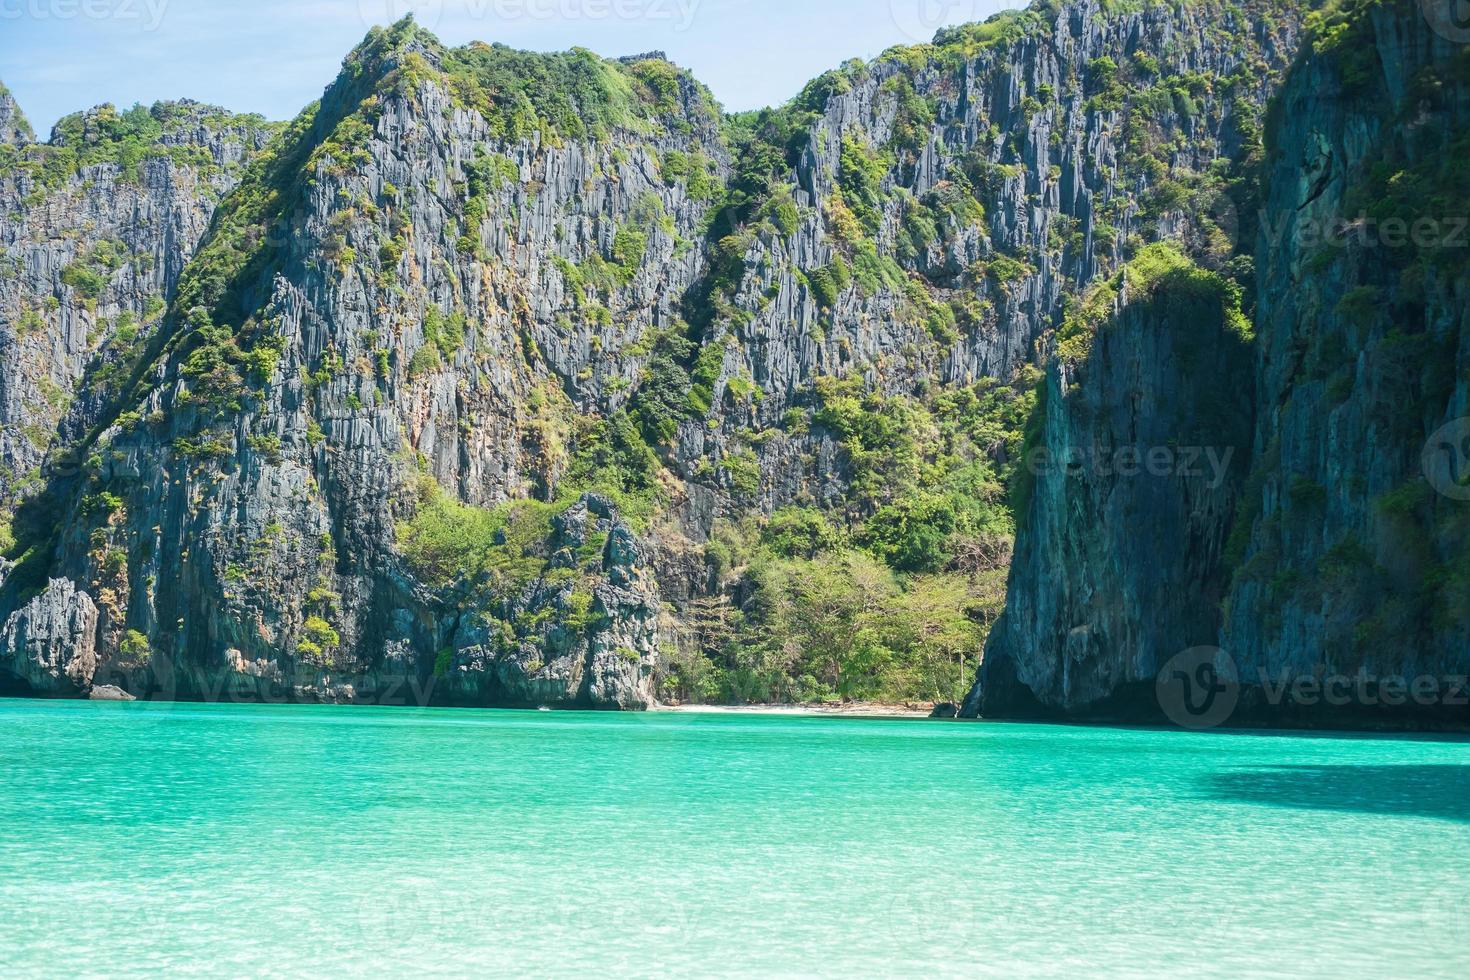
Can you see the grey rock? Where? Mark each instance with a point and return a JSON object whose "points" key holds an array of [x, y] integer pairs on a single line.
{"points": [[1119, 556], [237, 532], [50, 643], [134, 232], [1346, 542], [14, 129], [1348, 488]]}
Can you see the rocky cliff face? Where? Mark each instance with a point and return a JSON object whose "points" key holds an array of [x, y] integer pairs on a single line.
{"points": [[95, 229], [1353, 538], [946, 200], [1141, 442], [396, 300], [14, 128], [1346, 541], [481, 352]]}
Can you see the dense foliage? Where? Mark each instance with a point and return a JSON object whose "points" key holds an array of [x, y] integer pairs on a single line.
{"points": [[887, 594], [805, 617], [125, 140]]}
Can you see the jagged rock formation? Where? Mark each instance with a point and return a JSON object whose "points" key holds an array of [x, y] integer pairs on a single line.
{"points": [[948, 199], [445, 270], [380, 286], [482, 352], [1143, 435], [1347, 545], [1353, 544], [53, 642], [596, 653], [95, 229], [14, 128]]}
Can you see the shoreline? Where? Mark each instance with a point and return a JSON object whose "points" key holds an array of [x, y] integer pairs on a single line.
{"points": [[856, 709]]}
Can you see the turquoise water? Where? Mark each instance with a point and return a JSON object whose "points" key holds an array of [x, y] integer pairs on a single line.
{"points": [[286, 841]]}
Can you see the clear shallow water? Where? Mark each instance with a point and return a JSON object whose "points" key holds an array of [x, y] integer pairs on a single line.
{"points": [[286, 841]]}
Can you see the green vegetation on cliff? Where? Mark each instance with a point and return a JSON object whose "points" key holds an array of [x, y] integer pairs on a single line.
{"points": [[1161, 269], [888, 593], [125, 140], [1357, 538], [820, 620], [755, 346]]}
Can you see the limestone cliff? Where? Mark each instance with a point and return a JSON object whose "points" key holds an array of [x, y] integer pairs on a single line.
{"points": [[14, 128], [393, 301], [1141, 441], [96, 226], [1352, 544], [482, 357], [1346, 542]]}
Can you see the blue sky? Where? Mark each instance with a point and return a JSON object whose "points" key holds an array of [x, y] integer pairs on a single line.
{"points": [[275, 56]]}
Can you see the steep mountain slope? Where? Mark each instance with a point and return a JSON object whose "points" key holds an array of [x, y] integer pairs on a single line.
{"points": [[1346, 542], [1141, 443], [15, 129], [1353, 542], [95, 229], [509, 376], [360, 322]]}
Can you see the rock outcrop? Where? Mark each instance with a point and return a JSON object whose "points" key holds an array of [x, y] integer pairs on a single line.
{"points": [[1354, 533], [14, 128], [96, 227], [398, 293], [1141, 443], [52, 643], [1345, 556], [591, 647]]}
